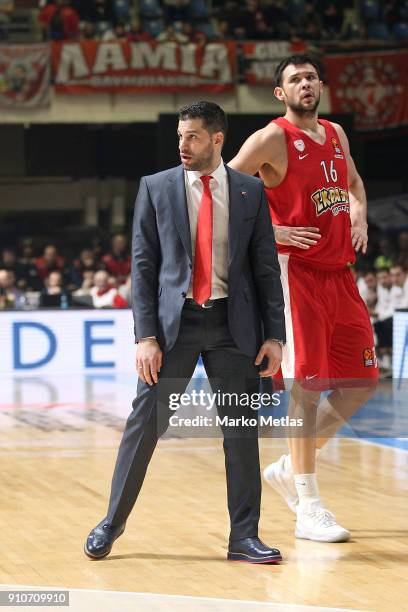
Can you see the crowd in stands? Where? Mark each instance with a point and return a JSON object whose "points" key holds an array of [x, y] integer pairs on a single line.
{"points": [[383, 285], [51, 280], [198, 21], [95, 279]]}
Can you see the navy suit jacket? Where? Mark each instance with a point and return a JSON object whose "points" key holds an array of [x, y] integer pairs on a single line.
{"points": [[162, 261]]}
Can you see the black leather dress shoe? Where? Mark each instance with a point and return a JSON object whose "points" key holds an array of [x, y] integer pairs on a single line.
{"points": [[100, 541], [252, 550]]}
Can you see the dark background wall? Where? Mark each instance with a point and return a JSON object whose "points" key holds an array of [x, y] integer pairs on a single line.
{"points": [[133, 150]]}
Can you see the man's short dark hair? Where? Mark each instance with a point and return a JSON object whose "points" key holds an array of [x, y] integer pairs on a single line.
{"points": [[213, 117], [296, 60]]}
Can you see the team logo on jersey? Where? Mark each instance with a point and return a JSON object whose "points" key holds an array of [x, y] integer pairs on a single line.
{"points": [[299, 145], [369, 357], [331, 198], [337, 150]]}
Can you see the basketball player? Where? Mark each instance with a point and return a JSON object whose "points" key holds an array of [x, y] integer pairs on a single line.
{"points": [[318, 207]]}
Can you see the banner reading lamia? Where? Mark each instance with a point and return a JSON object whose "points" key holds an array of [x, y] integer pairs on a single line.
{"points": [[92, 66], [371, 85], [24, 76]]}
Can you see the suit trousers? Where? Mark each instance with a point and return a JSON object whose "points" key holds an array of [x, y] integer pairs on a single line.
{"points": [[202, 331]]}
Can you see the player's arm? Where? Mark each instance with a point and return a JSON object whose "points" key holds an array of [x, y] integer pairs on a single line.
{"points": [[358, 198], [262, 152], [257, 151]]}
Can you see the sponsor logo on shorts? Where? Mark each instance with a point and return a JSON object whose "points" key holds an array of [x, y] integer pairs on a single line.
{"points": [[369, 357], [331, 198]]}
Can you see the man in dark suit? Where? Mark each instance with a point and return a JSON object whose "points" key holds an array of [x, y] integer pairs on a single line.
{"points": [[205, 281]]}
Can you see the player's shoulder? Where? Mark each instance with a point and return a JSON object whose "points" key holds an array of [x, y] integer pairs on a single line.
{"points": [[270, 133], [337, 127]]}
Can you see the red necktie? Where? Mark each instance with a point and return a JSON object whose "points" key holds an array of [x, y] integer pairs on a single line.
{"points": [[203, 246]]}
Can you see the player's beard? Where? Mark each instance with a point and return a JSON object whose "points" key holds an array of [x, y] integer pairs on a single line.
{"points": [[301, 111]]}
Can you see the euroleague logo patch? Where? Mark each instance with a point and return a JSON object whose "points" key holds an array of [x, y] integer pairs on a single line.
{"points": [[369, 358], [337, 150]]}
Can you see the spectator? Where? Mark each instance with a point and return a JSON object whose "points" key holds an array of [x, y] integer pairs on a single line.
{"points": [[310, 23], [100, 12], [399, 289], [6, 8], [332, 18], [176, 10], [137, 34], [125, 290], [276, 17], [117, 262], [260, 29], [224, 30], [49, 262], [87, 262], [54, 294], [403, 250], [104, 295], [169, 34], [25, 274], [117, 33], [386, 258], [88, 31], [27, 252], [10, 296], [383, 325], [86, 284], [367, 286], [59, 21]]}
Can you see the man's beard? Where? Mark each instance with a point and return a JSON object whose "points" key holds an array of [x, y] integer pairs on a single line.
{"points": [[204, 161], [300, 110]]}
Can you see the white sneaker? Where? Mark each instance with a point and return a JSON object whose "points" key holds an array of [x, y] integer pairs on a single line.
{"points": [[320, 525], [282, 481]]}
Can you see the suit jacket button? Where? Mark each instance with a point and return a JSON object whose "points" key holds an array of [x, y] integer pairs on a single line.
{"points": [[184, 294]]}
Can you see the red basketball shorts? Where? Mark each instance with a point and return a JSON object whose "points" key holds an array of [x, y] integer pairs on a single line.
{"points": [[329, 338]]}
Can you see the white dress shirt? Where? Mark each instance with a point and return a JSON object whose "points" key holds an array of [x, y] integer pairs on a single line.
{"points": [[220, 198]]}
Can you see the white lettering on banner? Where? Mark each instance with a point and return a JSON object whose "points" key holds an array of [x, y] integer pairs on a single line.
{"points": [[109, 56], [215, 61], [272, 50], [264, 70], [145, 56], [73, 67], [72, 58], [188, 58]]}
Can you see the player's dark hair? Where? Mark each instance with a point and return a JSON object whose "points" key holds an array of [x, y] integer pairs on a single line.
{"points": [[213, 117], [296, 60]]}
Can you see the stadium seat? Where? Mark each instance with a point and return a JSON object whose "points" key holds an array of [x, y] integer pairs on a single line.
{"points": [[378, 30], [153, 26], [150, 9], [401, 31], [122, 10], [198, 9], [370, 10], [206, 28]]}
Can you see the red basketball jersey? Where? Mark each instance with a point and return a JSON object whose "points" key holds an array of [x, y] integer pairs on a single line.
{"points": [[314, 193]]}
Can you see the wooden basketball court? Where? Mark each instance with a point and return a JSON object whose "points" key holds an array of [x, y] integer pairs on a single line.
{"points": [[57, 460]]}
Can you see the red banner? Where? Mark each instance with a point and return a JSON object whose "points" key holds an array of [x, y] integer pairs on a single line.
{"points": [[24, 76], [372, 85], [92, 66], [260, 59]]}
